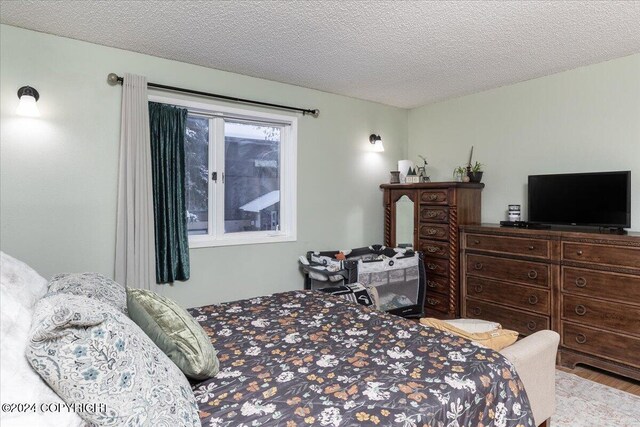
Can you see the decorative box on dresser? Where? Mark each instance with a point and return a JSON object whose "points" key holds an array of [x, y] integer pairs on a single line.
{"points": [[439, 209], [585, 286]]}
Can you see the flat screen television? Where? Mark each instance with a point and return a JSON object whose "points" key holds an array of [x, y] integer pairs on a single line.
{"points": [[596, 199]]}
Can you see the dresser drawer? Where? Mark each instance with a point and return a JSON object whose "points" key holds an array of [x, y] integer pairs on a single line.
{"points": [[517, 320], [524, 272], [436, 196], [601, 314], [521, 297], [509, 245], [439, 284], [601, 284], [434, 213], [437, 302], [602, 254], [434, 231], [434, 248], [436, 266], [601, 343]]}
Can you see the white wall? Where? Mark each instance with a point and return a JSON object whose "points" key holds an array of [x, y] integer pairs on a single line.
{"points": [[582, 120], [58, 172]]}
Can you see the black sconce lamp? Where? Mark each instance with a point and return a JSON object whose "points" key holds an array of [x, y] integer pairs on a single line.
{"points": [[27, 106], [376, 141]]}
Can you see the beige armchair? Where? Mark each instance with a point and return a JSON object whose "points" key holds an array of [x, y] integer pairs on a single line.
{"points": [[534, 358]]}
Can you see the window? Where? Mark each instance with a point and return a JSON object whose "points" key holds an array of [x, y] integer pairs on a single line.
{"points": [[240, 175]]}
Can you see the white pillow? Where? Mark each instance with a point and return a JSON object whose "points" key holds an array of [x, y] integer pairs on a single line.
{"points": [[474, 326], [20, 288], [21, 281]]}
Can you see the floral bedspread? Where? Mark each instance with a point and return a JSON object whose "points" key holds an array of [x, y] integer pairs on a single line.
{"points": [[304, 358]]}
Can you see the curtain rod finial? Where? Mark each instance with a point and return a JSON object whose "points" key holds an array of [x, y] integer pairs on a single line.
{"points": [[315, 113], [112, 79]]}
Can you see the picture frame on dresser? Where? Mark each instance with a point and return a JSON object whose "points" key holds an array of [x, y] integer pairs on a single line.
{"points": [[583, 285]]}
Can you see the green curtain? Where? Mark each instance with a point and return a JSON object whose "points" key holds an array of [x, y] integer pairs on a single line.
{"points": [[168, 124]]}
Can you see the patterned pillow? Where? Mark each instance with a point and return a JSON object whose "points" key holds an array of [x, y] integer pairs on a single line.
{"points": [[353, 292], [92, 354], [91, 285]]}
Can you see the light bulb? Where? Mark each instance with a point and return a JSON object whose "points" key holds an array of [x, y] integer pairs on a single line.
{"points": [[27, 106], [378, 147]]}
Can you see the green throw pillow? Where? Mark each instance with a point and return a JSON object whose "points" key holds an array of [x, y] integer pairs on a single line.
{"points": [[174, 331]]}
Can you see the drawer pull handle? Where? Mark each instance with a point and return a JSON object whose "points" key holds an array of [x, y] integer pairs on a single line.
{"points": [[432, 284], [533, 299], [581, 282], [531, 248], [531, 325], [478, 266], [581, 338], [432, 266], [579, 253], [478, 288], [432, 249], [580, 310], [433, 197], [431, 231], [476, 311], [532, 274], [476, 242], [432, 301], [432, 214]]}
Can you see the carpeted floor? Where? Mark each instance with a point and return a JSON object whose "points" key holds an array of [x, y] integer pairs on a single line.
{"points": [[584, 403]]}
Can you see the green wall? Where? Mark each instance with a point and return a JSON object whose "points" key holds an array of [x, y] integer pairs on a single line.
{"points": [[58, 172], [582, 120]]}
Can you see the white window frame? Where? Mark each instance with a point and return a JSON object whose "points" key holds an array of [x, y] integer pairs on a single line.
{"points": [[288, 174]]}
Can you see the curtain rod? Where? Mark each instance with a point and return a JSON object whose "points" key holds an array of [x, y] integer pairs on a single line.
{"points": [[113, 79]]}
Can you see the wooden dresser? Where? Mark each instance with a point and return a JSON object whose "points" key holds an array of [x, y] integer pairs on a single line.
{"points": [[585, 286], [439, 208]]}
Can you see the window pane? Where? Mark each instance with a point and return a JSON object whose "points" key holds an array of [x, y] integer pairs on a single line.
{"points": [[197, 174], [252, 177]]}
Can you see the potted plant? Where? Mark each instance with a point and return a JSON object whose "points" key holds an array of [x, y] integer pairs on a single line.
{"points": [[475, 172], [460, 173]]}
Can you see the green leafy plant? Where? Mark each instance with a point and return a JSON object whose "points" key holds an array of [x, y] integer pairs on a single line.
{"points": [[477, 167], [460, 171]]}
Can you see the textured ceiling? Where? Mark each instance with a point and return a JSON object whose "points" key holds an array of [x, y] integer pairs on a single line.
{"points": [[398, 53]]}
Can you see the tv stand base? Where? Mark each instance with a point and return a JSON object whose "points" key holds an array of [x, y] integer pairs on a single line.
{"points": [[524, 224], [583, 285]]}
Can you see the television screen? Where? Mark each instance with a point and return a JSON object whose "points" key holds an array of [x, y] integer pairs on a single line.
{"points": [[591, 199]]}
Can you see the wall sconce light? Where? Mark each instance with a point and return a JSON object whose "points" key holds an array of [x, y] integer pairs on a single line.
{"points": [[376, 141], [27, 105]]}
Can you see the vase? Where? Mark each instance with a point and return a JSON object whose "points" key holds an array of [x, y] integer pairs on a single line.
{"points": [[475, 176]]}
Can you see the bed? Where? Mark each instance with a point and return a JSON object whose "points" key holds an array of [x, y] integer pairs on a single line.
{"points": [[290, 359], [304, 358]]}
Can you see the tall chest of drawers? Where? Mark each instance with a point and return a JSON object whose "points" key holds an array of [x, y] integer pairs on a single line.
{"points": [[585, 286], [439, 209]]}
